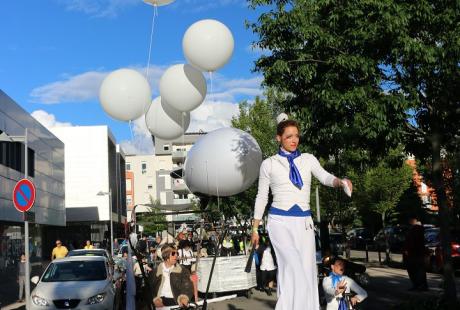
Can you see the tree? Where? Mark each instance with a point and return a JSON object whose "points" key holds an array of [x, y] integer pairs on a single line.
{"points": [[369, 75], [152, 221]]}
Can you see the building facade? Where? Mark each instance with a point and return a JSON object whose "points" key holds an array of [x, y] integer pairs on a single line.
{"points": [[95, 184], [149, 178], [46, 171]]}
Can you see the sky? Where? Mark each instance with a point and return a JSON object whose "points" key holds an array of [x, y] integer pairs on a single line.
{"points": [[54, 54]]}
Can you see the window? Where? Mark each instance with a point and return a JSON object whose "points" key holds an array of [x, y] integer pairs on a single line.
{"points": [[128, 166], [144, 167], [129, 201], [149, 186], [128, 185], [166, 147], [12, 156]]}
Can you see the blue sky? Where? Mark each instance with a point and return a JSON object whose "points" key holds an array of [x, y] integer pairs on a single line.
{"points": [[55, 53]]}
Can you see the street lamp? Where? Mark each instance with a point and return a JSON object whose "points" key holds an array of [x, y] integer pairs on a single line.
{"points": [[6, 138], [101, 193]]}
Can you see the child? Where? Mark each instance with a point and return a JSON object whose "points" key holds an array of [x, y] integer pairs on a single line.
{"points": [[337, 284]]}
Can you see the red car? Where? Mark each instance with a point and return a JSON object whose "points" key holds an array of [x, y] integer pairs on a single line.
{"points": [[434, 245]]}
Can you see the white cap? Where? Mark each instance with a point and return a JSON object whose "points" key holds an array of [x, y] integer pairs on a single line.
{"points": [[281, 118]]}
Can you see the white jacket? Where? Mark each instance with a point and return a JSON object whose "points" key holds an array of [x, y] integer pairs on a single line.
{"points": [[333, 300]]}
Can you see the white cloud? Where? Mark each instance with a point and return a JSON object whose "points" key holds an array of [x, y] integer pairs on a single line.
{"points": [[48, 120], [84, 87], [212, 115], [98, 8], [217, 111], [141, 142]]}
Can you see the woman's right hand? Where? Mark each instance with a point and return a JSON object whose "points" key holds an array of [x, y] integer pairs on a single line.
{"points": [[255, 238]]}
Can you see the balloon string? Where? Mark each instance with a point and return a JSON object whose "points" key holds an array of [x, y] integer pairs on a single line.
{"points": [[131, 130], [217, 189], [211, 91], [155, 13]]}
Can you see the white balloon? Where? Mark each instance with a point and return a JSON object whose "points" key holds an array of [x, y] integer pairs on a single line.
{"points": [[223, 162], [183, 87], [158, 2], [124, 93], [208, 44], [165, 122]]}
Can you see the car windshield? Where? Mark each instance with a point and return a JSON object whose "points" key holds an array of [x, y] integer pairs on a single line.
{"points": [[87, 253], [75, 271]]}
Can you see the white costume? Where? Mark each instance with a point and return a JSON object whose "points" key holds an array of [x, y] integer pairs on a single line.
{"points": [[292, 237], [333, 300]]}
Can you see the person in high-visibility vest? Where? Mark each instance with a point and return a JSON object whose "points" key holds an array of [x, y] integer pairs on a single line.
{"points": [[88, 245]]}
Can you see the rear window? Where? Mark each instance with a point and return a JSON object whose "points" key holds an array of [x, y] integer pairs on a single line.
{"points": [[87, 253], [75, 271]]}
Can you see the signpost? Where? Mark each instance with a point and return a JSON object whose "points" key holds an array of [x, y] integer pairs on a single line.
{"points": [[23, 199]]}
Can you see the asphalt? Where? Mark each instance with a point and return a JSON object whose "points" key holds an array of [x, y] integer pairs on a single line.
{"points": [[388, 287]]}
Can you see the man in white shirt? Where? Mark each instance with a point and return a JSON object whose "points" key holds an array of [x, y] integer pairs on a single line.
{"points": [[171, 282], [337, 284]]}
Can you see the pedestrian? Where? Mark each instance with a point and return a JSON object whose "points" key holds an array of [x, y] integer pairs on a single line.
{"points": [[290, 226], [414, 255], [88, 245], [171, 283], [116, 246], [22, 276], [268, 268], [59, 251], [186, 256], [337, 284]]}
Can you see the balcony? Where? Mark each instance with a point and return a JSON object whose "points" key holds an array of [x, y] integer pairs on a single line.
{"points": [[178, 156], [182, 201], [179, 186]]}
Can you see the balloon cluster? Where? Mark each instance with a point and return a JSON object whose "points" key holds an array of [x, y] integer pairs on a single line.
{"points": [[125, 94]]}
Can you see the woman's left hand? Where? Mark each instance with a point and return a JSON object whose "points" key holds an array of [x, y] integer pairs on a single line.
{"points": [[350, 185]]}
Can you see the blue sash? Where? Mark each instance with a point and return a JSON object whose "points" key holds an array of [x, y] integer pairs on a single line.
{"points": [[295, 210]]}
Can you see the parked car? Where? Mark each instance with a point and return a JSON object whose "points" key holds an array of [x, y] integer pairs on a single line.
{"points": [[396, 236], [359, 237], [433, 244], [76, 281]]}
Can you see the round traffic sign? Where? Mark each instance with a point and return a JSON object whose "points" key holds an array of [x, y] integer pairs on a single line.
{"points": [[24, 195]]}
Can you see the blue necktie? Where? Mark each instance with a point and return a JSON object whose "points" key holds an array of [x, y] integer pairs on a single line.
{"points": [[336, 279], [294, 174]]}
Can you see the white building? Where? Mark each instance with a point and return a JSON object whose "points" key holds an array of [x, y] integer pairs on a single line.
{"points": [[94, 175], [141, 187], [149, 176]]}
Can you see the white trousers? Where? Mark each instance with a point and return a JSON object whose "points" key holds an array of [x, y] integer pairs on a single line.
{"points": [[293, 240]]}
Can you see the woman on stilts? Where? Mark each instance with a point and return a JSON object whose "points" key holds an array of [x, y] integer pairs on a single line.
{"points": [[290, 226]]}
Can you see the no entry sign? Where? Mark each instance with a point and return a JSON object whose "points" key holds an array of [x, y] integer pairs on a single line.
{"points": [[24, 195]]}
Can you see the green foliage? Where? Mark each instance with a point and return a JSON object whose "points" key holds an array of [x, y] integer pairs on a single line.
{"points": [[259, 120], [327, 55], [381, 187], [152, 221]]}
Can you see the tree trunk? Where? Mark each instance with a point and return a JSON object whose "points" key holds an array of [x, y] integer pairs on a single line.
{"points": [[387, 241], [438, 183]]}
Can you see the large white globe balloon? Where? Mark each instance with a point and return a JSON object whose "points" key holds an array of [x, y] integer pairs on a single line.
{"points": [[183, 87], [165, 122], [124, 94], [208, 44], [224, 162], [158, 2]]}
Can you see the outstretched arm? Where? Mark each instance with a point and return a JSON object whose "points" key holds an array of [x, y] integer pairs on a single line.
{"points": [[326, 178]]}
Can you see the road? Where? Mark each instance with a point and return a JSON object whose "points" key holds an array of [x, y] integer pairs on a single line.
{"points": [[388, 287]]}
